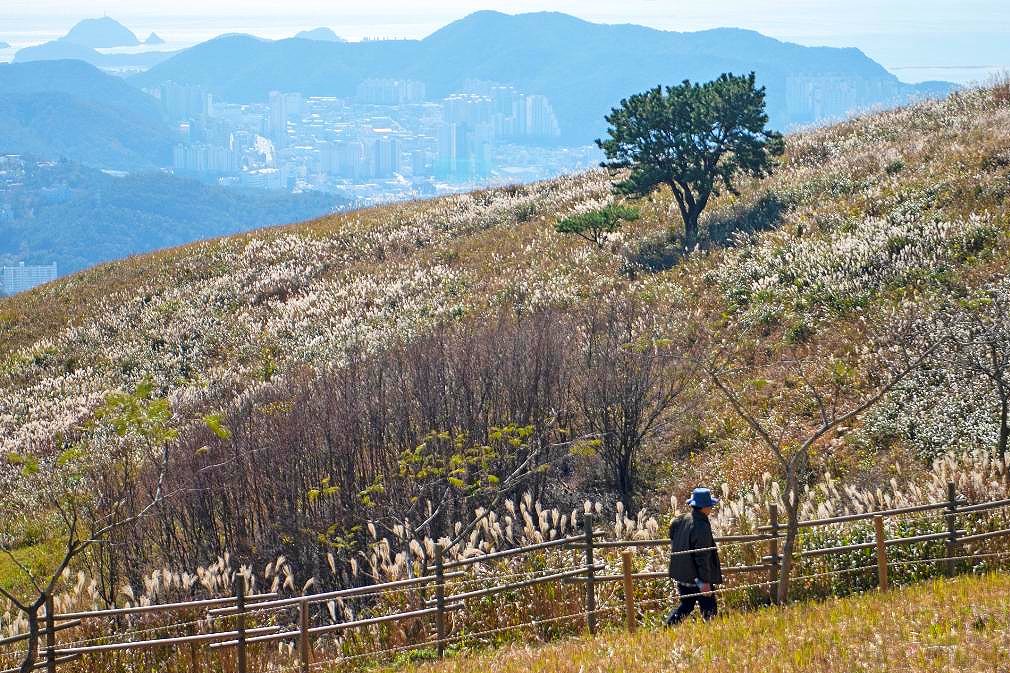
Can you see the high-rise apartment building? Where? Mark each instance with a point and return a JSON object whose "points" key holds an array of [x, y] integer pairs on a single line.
{"points": [[386, 156], [390, 92], [464, 151], [202, 158], [541, 122], [283, 107], [182, 102]]}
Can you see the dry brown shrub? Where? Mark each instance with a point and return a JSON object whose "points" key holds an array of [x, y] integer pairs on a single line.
{"points": [[999, 84]]}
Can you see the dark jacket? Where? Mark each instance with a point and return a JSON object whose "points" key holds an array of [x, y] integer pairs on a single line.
{"points": [[693, 531]]}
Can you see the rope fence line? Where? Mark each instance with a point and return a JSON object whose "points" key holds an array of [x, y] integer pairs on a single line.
{"points": [[722, 590], [153, 629], [119, 635], [448, 588], [968, 557], [527, 574], [459, 638]]}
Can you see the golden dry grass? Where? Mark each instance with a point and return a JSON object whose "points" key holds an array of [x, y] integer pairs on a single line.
{"points": [[941, 626]]}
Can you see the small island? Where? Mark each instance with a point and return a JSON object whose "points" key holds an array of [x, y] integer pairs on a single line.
{"points": [[4, 45], [154, 39]]}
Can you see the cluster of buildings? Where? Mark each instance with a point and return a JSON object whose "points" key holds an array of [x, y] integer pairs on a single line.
{"points": [[18, 197], [23, 187], [21, 278], [12, 177], [386, 142]]}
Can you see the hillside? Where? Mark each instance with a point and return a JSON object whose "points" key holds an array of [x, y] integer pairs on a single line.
{"points": [[57, 50], [585, 68], [79, 217], [936, 627], [333, 349], [69, 109]]}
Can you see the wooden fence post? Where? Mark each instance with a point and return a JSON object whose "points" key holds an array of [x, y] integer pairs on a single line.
{"points": [[882, 580], [440, 625], [587, 523], [629, 590], [773, 552], [240, 626], [951, 527], [194, 659], [50, 635], [304, 639]]}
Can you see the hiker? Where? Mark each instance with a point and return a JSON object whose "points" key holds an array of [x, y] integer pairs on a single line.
{"points": [[695, 573]]}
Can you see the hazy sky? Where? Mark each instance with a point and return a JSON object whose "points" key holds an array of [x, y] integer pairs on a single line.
{"points": [[811, 16], [902, 34]]}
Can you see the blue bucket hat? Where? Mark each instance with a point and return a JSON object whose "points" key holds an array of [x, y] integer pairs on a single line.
{"points": [[702, 497]]}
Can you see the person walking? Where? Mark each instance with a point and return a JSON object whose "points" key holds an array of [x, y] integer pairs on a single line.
{"points": [[695, 572]]}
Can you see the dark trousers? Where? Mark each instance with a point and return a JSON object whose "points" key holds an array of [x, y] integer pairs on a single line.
{"points": [[688, 599]]}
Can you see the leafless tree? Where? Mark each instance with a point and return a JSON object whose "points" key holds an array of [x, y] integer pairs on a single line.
{"points": [[87, 497], [631, 379], [799, 396], [980, 350]]}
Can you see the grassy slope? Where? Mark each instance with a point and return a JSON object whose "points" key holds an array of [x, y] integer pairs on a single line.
{"points": [[201, 318], [963, 624]]}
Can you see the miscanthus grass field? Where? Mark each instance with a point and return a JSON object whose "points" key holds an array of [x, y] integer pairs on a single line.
{"points": [[913, 198], [330, 395]]}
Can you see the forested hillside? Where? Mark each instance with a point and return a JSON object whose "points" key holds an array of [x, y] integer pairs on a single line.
{"points": [[78, 217], [69, 109]]}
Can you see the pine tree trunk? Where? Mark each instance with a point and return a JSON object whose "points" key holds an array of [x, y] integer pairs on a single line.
{"points": [[691, 231]]}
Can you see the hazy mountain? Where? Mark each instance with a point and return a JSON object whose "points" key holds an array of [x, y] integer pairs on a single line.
{"points": [[319, 34], [100, 33], [584, 68], [70, 109], [78, 216], [154, 39], [62, 49], [4, 45]]}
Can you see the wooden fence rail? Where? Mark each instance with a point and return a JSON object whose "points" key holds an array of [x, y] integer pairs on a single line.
{"points": [[438, 599]]}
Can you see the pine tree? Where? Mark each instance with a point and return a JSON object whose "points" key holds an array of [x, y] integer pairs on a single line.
{"points": [[694, 138]]}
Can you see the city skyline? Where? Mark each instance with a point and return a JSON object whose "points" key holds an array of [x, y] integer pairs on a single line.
{"points": [[388, 141]]}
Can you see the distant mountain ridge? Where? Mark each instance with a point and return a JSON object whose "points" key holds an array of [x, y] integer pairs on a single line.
{"points": [[89, 35], [101, 33], [70, 109], [62, 49], [584, 68]]}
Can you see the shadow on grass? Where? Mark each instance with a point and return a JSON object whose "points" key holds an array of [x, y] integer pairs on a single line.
{"points": [[664, 251]]}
